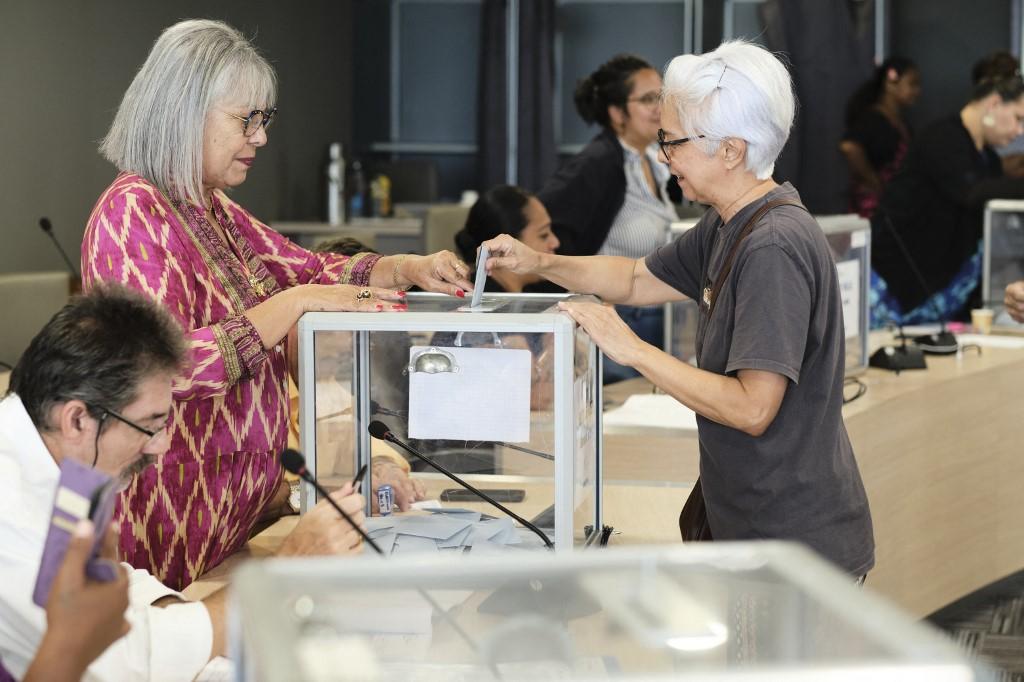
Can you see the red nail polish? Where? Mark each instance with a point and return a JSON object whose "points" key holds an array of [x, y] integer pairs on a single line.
{"points": [[401, 294], [400, 306], [380, 307], [460, 293]]}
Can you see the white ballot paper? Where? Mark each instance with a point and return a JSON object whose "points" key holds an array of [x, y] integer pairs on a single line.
{"points": [[488, 398], [849, 287], [651, 410]]}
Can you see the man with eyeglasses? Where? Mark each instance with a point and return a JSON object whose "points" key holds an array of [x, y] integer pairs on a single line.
{"points": [[95, 386]]}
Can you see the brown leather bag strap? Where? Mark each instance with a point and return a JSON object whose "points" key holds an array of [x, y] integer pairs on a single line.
{"points": [[723, 274]]}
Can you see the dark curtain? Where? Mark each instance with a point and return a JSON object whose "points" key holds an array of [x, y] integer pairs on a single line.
{"points": [[492, 126], [536, 157], [829, 47]]}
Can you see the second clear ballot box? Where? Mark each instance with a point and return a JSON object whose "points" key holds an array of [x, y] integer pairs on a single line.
{"points": [[849, 238], [1002, 255], [507, 395], [714, 612]]}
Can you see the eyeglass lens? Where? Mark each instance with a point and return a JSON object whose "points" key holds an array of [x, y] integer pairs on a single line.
{"points": [[256, 119]]}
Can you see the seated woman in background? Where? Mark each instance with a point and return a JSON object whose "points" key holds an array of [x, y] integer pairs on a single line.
{"points": [[1002, 64], [877, 138], [506, 209], [615, 198], [928, 224]]}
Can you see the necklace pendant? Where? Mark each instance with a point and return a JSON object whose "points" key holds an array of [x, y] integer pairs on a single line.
{"points": [[707, 297]]}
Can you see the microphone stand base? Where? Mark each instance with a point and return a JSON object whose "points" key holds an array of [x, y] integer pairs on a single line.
{"points": [[898, 358], [940, 343]]}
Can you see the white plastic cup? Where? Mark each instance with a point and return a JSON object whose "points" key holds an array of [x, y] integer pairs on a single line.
{"points": [[981, 320]]}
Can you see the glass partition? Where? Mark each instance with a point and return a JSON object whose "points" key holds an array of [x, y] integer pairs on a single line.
{"points": [[713, 612]]}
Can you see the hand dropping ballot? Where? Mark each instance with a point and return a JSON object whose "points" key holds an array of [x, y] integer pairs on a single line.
{"points": [[483, 395], [476, 303]]}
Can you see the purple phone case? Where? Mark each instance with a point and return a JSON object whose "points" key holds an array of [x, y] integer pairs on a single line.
{"points": [[100, 490]]}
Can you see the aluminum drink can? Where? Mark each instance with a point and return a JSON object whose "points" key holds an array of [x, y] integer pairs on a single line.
{"points": [[385, 499]]}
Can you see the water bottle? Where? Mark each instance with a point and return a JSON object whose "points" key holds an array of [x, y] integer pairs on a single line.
{"points": [[335, 185], [356, 204]]}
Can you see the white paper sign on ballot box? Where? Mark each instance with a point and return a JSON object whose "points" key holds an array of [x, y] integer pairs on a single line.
{"points": [[488, 398]]}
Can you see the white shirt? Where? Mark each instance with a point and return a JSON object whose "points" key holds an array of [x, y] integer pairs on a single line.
{"points": [[170, 643], [641, 225]]}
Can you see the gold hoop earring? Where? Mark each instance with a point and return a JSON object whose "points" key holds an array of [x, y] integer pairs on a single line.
{"points": [[988, 120]]}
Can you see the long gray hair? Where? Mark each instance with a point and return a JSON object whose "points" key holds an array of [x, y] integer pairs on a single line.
{"points": [[194, 66]]}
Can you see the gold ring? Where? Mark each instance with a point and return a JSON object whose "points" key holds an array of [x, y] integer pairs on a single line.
{"points": [[364, 294]]}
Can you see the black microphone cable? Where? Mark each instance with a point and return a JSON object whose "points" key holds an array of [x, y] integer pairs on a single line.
{"points": [[377, 408], [380, 431], [944, 342]]}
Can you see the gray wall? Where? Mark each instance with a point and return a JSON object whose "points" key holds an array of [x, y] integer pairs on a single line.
{"points": [[64, 66], [946, 38]]}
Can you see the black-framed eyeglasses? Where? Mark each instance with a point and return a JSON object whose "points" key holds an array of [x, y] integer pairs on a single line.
{"points": [[648, 100], [256, 119], [665, 145], [124, 420]]}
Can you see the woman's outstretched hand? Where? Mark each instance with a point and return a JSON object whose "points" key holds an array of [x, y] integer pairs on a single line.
{"points": [[508, 253], [441, 272]]}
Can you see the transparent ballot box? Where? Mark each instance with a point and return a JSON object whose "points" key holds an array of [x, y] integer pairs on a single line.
{"points": [[849, 237], [714, 612], [507, 396], [681, 316], [1002, 255]]}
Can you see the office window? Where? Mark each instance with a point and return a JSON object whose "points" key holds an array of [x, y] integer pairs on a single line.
{"points": [[438, 48], [591, 32]]}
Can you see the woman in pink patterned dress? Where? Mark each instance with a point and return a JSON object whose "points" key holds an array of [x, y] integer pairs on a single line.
{"points": [[188, 128]]}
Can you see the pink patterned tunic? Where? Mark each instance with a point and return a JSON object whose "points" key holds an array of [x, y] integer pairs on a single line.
{"points": [[199, 503]]}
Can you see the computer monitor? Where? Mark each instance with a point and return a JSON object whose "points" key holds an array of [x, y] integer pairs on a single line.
{"points": [[1002, 255]]}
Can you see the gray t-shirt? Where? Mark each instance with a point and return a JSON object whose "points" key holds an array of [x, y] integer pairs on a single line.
{"points": [[779, 311]]}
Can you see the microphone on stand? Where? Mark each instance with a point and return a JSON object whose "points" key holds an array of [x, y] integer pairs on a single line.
{"points": [[942, 342], [380, 431], [294, 463], [46, 226], [898, 358]]}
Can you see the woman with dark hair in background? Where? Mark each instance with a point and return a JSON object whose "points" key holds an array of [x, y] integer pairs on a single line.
{"points": [[928, 224], [1002, 64], [614, 198], [507, 209], [877, 138]]}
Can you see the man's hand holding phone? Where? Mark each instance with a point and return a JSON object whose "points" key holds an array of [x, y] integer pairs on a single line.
{"points": [[84, 616]]}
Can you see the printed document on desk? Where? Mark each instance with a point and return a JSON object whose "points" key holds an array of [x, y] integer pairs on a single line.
{"points": [[652, 410]]}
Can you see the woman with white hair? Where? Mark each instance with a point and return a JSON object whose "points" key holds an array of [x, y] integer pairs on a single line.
{"points": [[775, 459], [188, 129]]}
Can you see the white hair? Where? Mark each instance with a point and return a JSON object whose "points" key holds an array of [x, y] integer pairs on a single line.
{"points": [[739, 90], [194, 66]]}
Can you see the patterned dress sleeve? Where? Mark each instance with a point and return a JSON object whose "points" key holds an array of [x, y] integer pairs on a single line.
{"points": [[290, 264], [130, 240]]}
